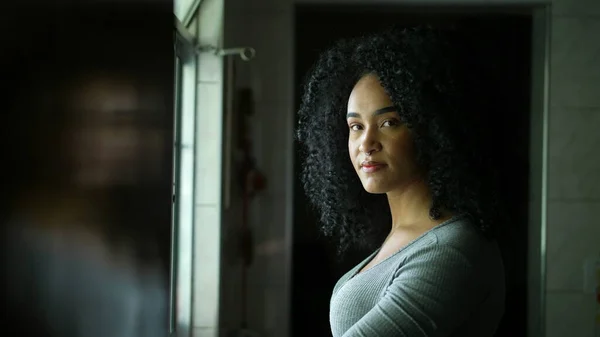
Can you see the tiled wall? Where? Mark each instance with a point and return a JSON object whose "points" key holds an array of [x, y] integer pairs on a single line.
{"points": [[573, 232], [267, 27], [574, 165], [208, 171]]}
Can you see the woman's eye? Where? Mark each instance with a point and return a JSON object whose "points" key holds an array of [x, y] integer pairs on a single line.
{"points": [[390, 122], [355, 127]]}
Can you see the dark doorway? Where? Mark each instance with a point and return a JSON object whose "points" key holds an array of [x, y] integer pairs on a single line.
{"points": [[496, 48]]}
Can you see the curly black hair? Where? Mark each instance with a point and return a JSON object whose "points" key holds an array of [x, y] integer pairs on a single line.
{"points": [[418, 69]]}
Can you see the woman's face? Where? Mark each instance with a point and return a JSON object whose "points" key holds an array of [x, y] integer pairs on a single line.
{"points": [[380, 145]]}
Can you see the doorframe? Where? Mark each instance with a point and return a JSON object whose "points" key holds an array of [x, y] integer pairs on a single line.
{"points": [[540, 11], [538, 176]]}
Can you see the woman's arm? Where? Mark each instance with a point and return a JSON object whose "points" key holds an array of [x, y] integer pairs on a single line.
{"points": [[433, 292]]}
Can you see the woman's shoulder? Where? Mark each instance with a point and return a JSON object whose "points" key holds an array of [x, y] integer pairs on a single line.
{"points": [[461, 237], [456, 249], [461, 233]]}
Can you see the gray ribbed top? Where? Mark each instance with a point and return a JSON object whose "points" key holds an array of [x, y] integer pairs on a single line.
{"points": [[447, 282]]}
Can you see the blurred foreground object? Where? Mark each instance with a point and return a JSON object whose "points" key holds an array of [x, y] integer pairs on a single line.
{"points": [[89, 108]]}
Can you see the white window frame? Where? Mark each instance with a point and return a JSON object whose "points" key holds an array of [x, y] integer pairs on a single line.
{"points": [[185, 10], [196, 264], [182, 243]]}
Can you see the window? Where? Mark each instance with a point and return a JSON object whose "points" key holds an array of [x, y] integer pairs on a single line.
{"points": [[185, 9], [197, 186], [183, 183]]}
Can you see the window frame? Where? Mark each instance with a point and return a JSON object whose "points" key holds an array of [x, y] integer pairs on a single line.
{"points": [[182, 225]]}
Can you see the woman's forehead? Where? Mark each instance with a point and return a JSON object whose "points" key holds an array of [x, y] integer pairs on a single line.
{"points": [[368, 95]]}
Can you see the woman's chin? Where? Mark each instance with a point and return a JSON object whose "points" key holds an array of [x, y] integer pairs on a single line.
{"points": [[375, 188]]}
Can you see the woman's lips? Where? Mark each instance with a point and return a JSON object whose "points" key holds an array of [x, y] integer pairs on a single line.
{"points": [[371, 167]]}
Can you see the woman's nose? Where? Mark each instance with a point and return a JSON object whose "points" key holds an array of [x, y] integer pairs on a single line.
{"points": [[369, 142]]}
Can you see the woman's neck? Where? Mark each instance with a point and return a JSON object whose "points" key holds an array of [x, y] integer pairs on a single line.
{"points": [[410, 204]]}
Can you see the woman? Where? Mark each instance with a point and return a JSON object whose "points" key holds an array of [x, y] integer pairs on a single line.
{"points": [[389, 150]]}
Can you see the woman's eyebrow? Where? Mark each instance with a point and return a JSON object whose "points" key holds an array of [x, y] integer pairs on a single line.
{"points": [[375, 113]]}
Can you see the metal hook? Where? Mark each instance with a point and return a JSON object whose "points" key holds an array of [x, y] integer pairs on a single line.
{"points": [[245, 53]]}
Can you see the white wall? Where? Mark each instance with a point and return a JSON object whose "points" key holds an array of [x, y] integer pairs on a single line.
{"points": [[574, 163]]}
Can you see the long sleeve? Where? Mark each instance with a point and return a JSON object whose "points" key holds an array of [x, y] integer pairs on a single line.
{"points": [[430, 295]]}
